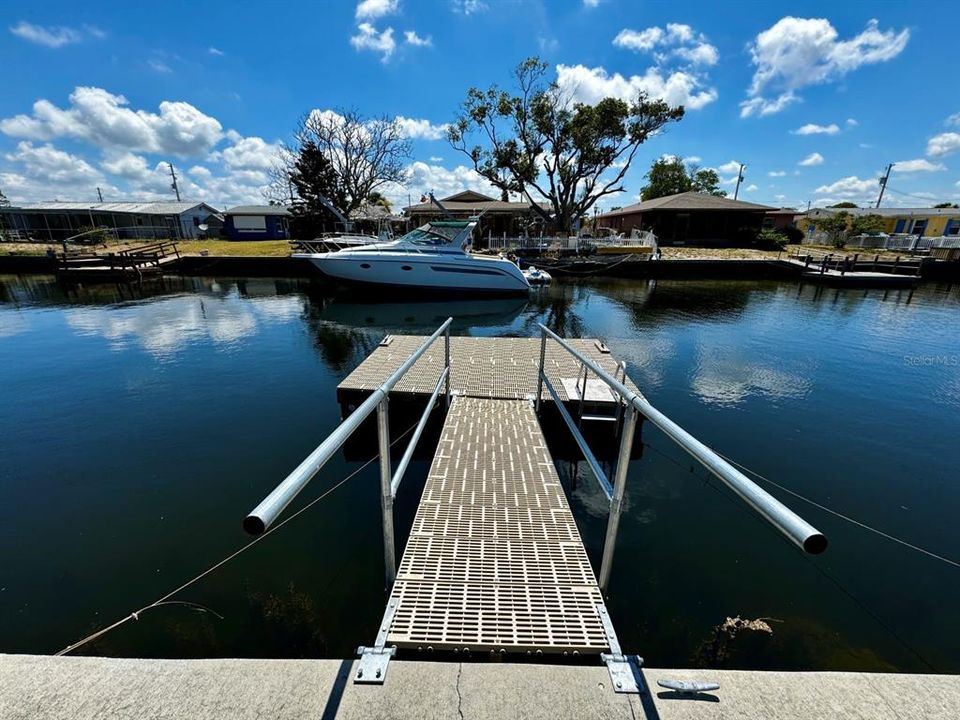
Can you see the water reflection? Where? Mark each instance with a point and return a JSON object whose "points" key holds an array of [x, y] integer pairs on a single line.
{"points": [[727, 377]]}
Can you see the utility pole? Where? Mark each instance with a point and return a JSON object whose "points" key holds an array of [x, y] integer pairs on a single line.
{"points": [[883, 183], [808, 206], [99, 194], [173, 185], [739, 180]]}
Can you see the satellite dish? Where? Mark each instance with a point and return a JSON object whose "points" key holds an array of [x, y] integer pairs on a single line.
{"points": [[203, 227]]}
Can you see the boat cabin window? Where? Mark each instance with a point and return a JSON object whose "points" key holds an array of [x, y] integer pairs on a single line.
{"points": [[433, 234]]}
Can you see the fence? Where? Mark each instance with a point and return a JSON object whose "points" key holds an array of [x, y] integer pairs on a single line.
{"points": [[906, 243]]}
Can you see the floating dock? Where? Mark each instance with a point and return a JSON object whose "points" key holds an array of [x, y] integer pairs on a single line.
{"points": [[496, 368]]}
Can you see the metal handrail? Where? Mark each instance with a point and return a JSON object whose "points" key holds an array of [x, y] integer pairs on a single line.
{"points": [[262, 516], [795, 528]]}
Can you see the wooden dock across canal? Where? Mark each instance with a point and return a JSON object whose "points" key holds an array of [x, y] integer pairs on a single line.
{"points": [[494, 562]]}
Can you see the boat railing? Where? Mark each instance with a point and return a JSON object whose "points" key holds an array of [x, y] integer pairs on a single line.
{"points": [[262, 516], [795, 528]]}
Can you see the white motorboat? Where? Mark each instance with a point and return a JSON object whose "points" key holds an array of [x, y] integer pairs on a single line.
{"points": [[537, 277], [435, 258]]}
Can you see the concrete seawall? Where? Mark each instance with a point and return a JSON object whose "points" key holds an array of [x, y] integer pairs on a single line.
{"points": [[51, 688]]}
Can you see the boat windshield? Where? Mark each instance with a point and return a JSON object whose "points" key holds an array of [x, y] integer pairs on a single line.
{"points": [[434, 234]]}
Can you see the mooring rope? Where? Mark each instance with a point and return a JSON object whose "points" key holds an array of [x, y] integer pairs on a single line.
{"points": [[704, 477], [166, 598], [840, 515]]}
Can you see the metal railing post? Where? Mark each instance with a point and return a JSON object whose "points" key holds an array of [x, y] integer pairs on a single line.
{"points": [[616, 504], [386, 494], [446, 350], [543, 357]]}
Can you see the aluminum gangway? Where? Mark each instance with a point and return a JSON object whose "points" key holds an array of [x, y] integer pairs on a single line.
{"points": [[494, 562]]}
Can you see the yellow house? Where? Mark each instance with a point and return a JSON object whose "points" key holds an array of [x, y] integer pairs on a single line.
{"points": [[923, 222]]}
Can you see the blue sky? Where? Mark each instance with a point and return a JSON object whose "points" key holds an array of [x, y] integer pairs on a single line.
{"points": [[816, 98]]}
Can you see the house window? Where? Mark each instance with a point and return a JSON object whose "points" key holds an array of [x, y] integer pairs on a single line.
{"points": [[196, 221], [919, 226], [768, 223], [953, 227]]}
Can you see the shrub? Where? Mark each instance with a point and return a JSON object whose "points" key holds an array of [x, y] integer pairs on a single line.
{"points": [[770, 239]]}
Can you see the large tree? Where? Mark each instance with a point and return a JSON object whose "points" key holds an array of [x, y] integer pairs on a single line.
{"points": [[669, 176], [551, 150], [364, 153]]}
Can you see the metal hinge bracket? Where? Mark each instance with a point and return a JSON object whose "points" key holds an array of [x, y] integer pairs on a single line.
{"points": [[624, 670], [374, 661]]}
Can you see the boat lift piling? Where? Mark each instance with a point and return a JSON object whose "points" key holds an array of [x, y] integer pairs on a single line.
{"points": [[494, 562]]}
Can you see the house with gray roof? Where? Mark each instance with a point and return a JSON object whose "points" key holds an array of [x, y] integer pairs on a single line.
{"points": [[497, 216], [691, 218], [59, 220]]}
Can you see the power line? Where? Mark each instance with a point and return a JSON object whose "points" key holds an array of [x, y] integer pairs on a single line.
{"points": [[918, 197]]}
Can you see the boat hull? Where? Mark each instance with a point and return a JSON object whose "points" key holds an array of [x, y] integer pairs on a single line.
{"points": [[429, 274]]}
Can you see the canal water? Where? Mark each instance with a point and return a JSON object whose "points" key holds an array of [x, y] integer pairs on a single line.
{"points": [[138, 428]]}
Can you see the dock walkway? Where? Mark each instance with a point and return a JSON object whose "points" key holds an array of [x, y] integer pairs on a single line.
{"points": [[494, 561]]}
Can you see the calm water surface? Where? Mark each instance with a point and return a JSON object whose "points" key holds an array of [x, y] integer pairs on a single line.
{"points": [[138, 430]]}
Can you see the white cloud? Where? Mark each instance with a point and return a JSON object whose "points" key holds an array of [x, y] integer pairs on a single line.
{"points": [[50, 165], [424, 177], [811, 160], [127, 165], [102, 119], [413, 39], [436, 159], [674, 41], [216, 51], [469, 7], [814, 129], [849, 187], [373, 9], [159, 66], [851, 122], [764, 107], [251, 153], [777, 173], [199, 171], [798, 52], [368, 38], [731, 167], [421, 129], [943, 144], [591, 3], [752, 188], [50, 36], [693, 159], [953, 119], [919, 165], [639, 40], [590, 85]]}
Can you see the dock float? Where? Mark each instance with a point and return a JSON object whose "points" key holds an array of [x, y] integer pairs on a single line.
{"points": [[494, 564]]}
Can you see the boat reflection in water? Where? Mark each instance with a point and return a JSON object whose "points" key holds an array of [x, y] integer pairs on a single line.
{"points": [[414, 318]]}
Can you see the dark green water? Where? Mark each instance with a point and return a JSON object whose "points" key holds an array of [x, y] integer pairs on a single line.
{"points": [[135, 433]]}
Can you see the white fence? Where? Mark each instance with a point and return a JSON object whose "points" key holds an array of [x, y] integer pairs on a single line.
{"points": [[505, 242], [907, 243]]}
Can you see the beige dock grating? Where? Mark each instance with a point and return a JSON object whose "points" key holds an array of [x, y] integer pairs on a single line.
{"points": [[494, 560], [480, 367]]}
